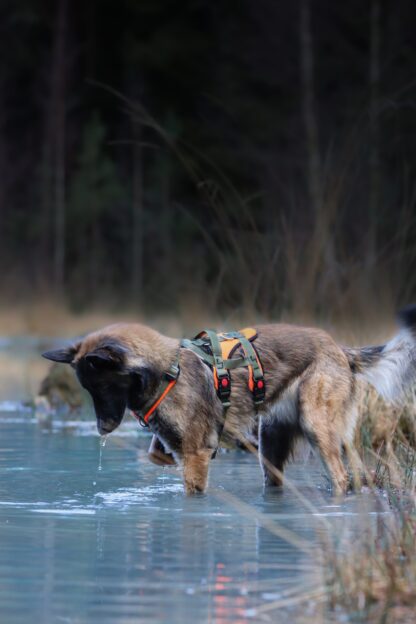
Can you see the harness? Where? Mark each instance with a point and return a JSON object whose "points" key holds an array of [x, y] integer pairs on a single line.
{"points": [[222, 353]]}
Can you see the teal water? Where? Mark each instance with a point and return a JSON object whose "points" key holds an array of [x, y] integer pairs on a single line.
{"points": [[122, 544]]}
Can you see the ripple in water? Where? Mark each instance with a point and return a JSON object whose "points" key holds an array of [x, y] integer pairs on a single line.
{"points": [[126, 497]]}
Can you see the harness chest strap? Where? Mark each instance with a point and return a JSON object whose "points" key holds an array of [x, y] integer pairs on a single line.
{"points": [[170, 377]]}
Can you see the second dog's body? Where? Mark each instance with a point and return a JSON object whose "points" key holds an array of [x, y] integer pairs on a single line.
{"points": [[310, 391]]}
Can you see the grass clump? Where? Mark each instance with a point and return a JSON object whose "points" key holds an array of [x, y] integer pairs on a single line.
{"points": [[371, 574]]}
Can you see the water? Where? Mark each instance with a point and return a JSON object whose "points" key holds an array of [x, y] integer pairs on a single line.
{"points": [[92, 534], [102, 445]]}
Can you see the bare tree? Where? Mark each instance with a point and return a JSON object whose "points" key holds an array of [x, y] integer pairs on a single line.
{"points": [[3, 153], [58, 107], [320, 249], [308, 104], [166, 211], [375, 41], [137, 215]]}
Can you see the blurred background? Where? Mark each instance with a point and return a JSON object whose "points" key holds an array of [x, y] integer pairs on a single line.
{"points": [[203, 159]]}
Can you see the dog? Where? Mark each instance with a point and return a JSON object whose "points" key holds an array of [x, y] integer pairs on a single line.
{"points": [[310, 391]]}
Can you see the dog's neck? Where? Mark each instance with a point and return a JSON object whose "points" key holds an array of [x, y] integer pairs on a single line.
{"points": [[161, 351]]}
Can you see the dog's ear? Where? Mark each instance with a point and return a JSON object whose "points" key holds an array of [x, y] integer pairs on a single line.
{"points": [[109, 356], [64, 355], [102, 359]]}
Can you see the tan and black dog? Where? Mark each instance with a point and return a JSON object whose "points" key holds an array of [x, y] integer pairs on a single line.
{"points": [[310, 385]]}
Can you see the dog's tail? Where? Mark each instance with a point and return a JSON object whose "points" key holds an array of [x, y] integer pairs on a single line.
{"points": [[390, 368]]}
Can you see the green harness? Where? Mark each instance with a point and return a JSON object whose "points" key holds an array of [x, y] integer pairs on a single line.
{"points": [[217, 351], [222, 353]]}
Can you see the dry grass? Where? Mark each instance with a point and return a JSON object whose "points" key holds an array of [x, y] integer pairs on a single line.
{"points": [[384, 425], [376, 577], [47, 317], [373, 576]]}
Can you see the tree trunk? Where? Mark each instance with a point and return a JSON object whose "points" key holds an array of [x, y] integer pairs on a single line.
{"points": [[375, 39], [308, 102], [3, 161], [318, 278], [137, 217], [167, 220], [58, 102]]}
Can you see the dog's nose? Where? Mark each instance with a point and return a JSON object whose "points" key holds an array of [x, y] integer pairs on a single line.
{"points": [[105, 426]]}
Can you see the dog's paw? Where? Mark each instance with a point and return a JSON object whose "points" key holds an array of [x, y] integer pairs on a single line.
{"points": [[192, 488]]}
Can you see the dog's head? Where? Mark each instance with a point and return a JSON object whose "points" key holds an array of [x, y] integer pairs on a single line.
{"points": [[114, 369]]}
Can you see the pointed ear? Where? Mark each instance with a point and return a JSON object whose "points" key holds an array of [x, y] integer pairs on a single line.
{"points": [[110, 356], [100, 359], [65, 355]]}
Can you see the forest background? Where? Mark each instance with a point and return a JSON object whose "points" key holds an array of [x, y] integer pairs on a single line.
{"points": [[233, 159]]}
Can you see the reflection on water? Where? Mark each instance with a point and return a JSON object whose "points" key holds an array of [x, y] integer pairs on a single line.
{"points": [[122, 544]]}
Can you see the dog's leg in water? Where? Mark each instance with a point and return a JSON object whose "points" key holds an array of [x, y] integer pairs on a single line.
{"points": [[195, 470], [322, 416], [324, 402], [330, 450], [275, 445]]}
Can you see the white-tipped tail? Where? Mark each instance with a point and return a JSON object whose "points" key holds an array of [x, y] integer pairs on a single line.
{"points": [[395, 371], [390, 368]]}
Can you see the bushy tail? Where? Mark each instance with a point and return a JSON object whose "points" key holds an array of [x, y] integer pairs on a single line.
{"points": [[390, 368]]}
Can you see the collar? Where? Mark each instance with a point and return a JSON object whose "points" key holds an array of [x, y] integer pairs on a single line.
{"points": [[169, 379]]}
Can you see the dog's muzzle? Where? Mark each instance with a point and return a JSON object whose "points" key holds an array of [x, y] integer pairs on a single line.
{"points": [[106, 426], [109, 413]]}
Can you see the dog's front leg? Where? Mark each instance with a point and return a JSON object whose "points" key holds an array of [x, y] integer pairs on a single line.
{"points": [[195, 470]]}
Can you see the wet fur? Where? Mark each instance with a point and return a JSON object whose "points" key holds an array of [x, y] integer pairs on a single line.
{"points": [[310, 391]]}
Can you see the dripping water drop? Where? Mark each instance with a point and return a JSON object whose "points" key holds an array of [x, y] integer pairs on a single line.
{"points": [[103, 440]]}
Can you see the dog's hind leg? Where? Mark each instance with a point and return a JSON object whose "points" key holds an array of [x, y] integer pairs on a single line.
{"points": [[322, 418], [276, 443], [329, 446]]}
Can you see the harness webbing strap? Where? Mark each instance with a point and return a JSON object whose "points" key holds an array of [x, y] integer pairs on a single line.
{"points": [[222, 379], [256, 379], [195, 346], [168, 381], [159, 400]]}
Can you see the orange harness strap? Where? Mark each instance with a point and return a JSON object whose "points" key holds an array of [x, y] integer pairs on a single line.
{"points": [[159, 401], [168, 381]]}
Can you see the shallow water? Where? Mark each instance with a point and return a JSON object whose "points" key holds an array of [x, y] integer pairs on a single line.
{"points": [[123, 544]]}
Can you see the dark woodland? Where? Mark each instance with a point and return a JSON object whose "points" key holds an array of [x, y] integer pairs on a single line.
{"points": [[251, 155]]}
